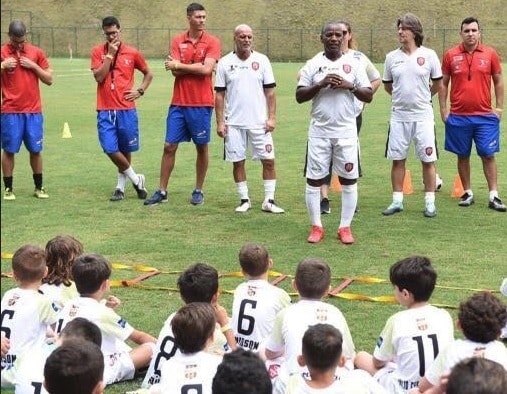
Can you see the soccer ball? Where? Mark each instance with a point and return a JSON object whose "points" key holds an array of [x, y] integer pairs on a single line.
{"points": [[439, 183]]}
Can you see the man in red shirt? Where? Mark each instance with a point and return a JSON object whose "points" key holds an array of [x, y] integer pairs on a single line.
{"points": [[470, 67], [22, 66], [113, 65], [192, 60]]}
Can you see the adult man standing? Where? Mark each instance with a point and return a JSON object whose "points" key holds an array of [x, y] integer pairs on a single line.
{"points": [[193, 57], [332, 81], [113, 65], [245, 105], [412, 75], [22, 66], [470, 67]]}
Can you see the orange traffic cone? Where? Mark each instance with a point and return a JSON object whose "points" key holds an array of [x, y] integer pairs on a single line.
{"points": [[407, 183], [335, 183], [457, 189]]}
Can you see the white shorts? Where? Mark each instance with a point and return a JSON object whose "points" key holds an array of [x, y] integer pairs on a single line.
{"points": [[343, 152], [401, 134], [237, 141], [387, 378], [118, 367]]}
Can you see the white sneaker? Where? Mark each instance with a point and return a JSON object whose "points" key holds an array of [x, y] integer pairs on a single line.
{"points": [[270, 206], [244, 206]]}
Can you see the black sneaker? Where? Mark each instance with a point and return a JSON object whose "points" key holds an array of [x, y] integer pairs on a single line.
{"points": [[497, 205], [118, 195], [466, 200], [141, 191], [324, 206]]}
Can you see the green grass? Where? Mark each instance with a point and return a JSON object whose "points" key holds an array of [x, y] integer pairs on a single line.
{"points": [[467, 245]]}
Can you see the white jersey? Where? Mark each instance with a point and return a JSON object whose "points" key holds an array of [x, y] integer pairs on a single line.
{"points": [[245, 81], [30, 371], [189, 373], [166, 349], [292, 322], [59, 294], [333, 113], [26, 316], [413, 338], [461, 349], [410, 76], [254, 309]]}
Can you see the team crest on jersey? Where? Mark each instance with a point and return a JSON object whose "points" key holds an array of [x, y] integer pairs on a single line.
{"points": [[479, 352], [483, 62], [268, 148], [73, 311], [421, 324], [347, 68], [191, 371], [12, 301], [349, 167], [421, 60], [255, 66], [251, 291], [321, 315], [428, 151], [273, 370]]}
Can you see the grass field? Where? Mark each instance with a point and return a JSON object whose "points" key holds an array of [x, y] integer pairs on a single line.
{"points": [[467, 245]]}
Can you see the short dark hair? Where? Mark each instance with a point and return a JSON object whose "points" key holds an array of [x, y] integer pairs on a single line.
{"points": [[61, 252], [482, 317], [416, 275], [468, 20], [89, 272], [477, 375], [194, 7], [254, 259], [17, 29], [74, 367], [322, 346], [198, 283], [29, 263], [412, 23], [240, 372], [81, 328], [109, 21], [313, 277], [193, 325]]}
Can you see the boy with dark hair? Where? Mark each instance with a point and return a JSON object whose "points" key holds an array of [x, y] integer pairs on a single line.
{"points": [[312, 281], [477, 375], [481, 319], [26, 313], [241, 372], [412, 337], [256, 301], [81, 328], [76, 367], [198, 283], [91, 273]]}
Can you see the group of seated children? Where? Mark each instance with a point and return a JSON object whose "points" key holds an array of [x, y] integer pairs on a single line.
{"points": [[268, 346]]}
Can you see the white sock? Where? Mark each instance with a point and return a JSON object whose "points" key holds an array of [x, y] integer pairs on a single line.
{"points": [[349, 203], [492, 195], [269, 189], [429, 198], [242, 188], [469, 192], [312, 198], [131, 174], [122, 179], [398, 197]]}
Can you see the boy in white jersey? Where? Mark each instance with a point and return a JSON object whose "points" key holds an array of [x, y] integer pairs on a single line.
{"points": [[322, 354], [312, 281], [256, 301], [481, 319], [412, 75], [91, 273], [245, 105], [331, 81], [411, 339], [26, 313], [198, 283]]}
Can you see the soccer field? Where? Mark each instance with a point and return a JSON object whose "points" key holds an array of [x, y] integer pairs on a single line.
{"points": [[467, 245]]}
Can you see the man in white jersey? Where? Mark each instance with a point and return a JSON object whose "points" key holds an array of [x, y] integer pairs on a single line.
{"points": [[312, 281], [332, 81], [256, 301], [26, 313], [412, 75], [411, 339], [245, 105], [480, 318]]}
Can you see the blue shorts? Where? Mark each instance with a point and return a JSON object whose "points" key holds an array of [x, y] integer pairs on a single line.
{"points": [[118, 130], [461, 130], [188, 123], [26, 128]]}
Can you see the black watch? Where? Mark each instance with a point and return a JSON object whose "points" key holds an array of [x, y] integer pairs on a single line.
{"points": [[353, 88], [141, 91]]}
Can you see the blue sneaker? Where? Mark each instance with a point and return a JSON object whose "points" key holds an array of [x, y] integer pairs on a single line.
{"points": [[158, 197], [197, 197]]}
